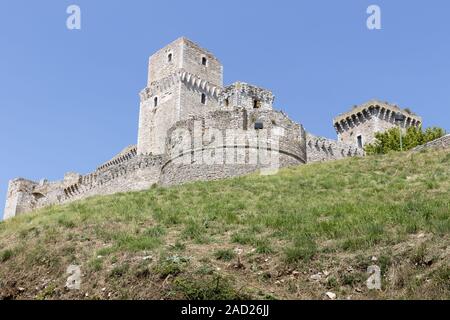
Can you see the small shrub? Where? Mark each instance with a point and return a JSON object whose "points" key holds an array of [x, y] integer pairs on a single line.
{"points": [[242, 238], [5, 255], [224, 254], [442, 277], [205, 270], [66, 222], [211, 288], [332, 282], [195, 231], [46, 292], [390, 140], [119, 271], [179, 246], [303, 249], [419, 256], [172, 265], [352, 279], [143, 271], [156, 231], [140, 242], [384, 262], [263, 246], [95, 264], [446, 158]]}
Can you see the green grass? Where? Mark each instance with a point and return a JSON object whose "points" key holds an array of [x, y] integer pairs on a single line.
{"points": [[5, 255], [298, 216], [225, 254], [208, 288]]}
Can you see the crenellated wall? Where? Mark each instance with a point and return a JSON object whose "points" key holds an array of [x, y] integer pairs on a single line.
{"points": [[359, 125], [225, 143], [137, 173], [127, 172], [323, 149]]}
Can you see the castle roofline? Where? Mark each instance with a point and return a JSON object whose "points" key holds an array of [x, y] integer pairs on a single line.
{"points": [[375, 104], [126, 153], [185, 40]]}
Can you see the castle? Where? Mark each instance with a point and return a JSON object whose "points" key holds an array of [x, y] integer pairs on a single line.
{"points": [[192, 127]]}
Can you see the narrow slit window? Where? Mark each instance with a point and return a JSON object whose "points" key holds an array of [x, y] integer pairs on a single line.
{"points": [[169, 58], [360, 142], [203, 98], [155, 102], [204, 61], [245, 120]]}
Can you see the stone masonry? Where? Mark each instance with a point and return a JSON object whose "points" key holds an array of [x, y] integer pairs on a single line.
{"points": [[440, 143], [192, 127], [359, 125]]}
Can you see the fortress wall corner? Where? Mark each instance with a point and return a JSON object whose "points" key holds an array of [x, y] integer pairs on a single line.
{"points": [[19, 198]]}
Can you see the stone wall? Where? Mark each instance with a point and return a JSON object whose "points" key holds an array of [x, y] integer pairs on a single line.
{"points": [[366, 120], [323, 149], [131, 173], [19, 198], [138, 173], [244, 95], [225, 143], [441, 143]]}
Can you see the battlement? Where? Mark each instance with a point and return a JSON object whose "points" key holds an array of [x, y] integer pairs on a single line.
{"points": [[226, 143], [241, 94], [359, 125], [386, 110], [181, 76], [132, 174], [125, 155], [323, 149]]}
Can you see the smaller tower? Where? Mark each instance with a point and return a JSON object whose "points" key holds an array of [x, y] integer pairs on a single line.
{"points": [[359, 125]]}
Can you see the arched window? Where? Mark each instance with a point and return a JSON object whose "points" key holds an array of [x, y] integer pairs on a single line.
{"points": [[169, 58], [155, 102], [203, 98], [204, 61]]}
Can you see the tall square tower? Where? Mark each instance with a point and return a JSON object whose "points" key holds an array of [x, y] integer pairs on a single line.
{"points": [[183, 80]]}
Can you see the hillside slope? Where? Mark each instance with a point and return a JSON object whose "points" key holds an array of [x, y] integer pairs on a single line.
{"points": [[295, 235]]}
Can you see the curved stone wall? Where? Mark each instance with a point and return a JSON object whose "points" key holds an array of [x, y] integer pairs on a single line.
{"points": [[225, 144]]}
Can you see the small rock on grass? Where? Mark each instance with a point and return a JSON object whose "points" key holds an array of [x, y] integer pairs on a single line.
{"points": [[331, 295]]}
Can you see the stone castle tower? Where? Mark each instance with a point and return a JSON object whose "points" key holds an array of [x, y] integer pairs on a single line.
{"points": [[183, 80], [359, 125]]}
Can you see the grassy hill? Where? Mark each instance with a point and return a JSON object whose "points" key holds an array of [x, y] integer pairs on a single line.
{"points": [[295, 235]]}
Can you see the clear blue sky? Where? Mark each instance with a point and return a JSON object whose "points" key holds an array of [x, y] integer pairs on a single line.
{"points": [[69, 99]]}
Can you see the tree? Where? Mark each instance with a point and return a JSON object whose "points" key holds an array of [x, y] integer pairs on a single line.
{"points": [[390, 139]]}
